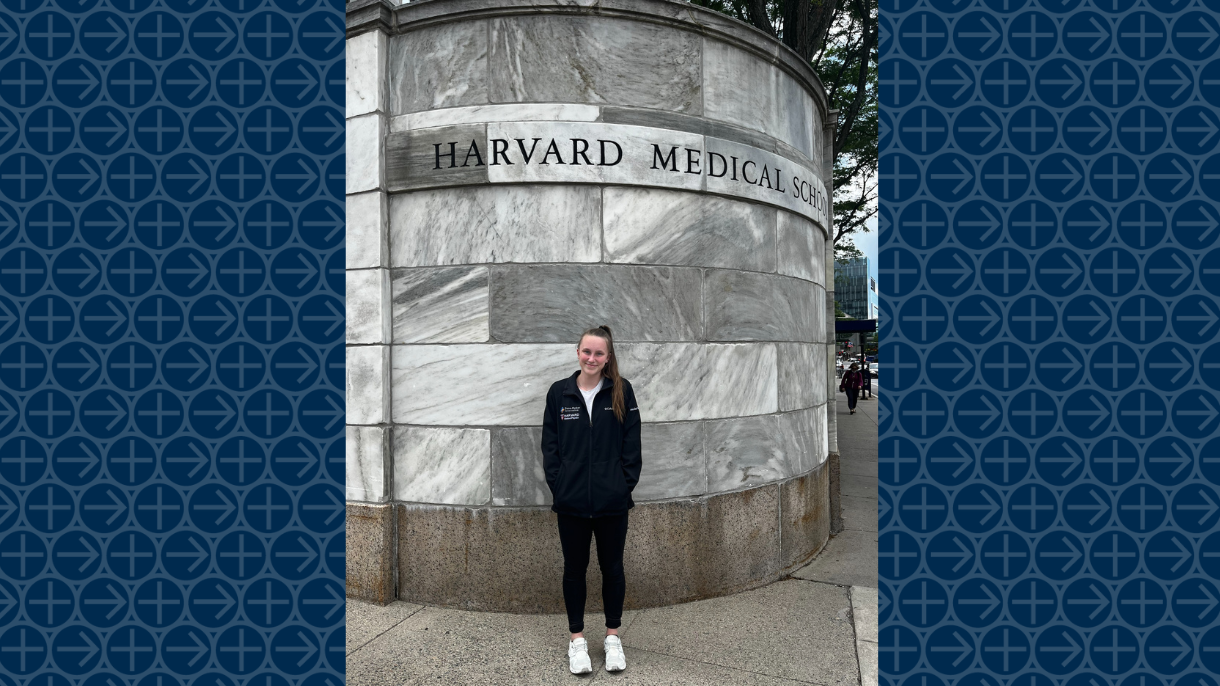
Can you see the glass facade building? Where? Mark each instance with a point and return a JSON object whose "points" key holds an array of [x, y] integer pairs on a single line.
{"points": [[855, 290]]}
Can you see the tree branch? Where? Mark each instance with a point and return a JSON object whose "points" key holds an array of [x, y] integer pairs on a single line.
{"points": [[866, 50]]}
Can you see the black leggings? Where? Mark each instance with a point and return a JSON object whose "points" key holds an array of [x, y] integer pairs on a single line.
{"points": [[852, 394], [574, 535]]}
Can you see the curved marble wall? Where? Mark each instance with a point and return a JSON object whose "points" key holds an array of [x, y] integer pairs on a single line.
{"points": [[518, 172]]}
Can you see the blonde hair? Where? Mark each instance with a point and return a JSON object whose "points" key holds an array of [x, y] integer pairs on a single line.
{"points": [[618, 402]]}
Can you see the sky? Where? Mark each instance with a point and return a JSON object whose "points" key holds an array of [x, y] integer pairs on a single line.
{"points": [[867, 243]]}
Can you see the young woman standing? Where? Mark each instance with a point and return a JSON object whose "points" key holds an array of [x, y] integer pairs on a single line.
{"points": [[591, 455]]}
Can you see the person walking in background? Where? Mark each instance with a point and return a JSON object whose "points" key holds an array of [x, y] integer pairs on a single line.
{"points": [[591, 456], [868, 380], [851, 383]]}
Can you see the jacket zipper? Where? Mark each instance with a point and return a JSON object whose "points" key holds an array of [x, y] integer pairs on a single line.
{"points": [[589, 459]]}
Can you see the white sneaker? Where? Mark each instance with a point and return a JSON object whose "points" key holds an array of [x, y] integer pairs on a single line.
{"points": [[616, 661], [578, 657]]}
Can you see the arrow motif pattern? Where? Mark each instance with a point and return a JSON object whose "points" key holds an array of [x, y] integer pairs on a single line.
{"points": [[1040, 448], [132, 446]]}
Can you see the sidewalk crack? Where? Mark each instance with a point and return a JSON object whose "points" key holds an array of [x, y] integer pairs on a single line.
{"points": [[387, 630]]}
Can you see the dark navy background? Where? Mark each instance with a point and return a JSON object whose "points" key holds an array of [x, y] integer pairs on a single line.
{"points": [[1050, 421], [171, 331]]}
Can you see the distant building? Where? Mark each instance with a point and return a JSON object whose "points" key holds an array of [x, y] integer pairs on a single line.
{"points": [[855, 290]]}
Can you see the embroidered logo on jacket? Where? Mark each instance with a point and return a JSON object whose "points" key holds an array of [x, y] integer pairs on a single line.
{"points": [[566, 413]]}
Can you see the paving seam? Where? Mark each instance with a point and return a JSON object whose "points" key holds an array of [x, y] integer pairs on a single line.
{"points": [[388, 629], [856, 636]]}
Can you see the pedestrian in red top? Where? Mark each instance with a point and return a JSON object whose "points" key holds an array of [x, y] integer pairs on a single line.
{"points": [[852, 381]]}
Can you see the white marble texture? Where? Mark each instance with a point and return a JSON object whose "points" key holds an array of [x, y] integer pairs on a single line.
{"points": [[517, 477], [795, 115], [817, 257], [365, 152], [635, 167], [821, 433], [752, 451], [780, 192], [802, 375], [549, 303], [745, 452], [368, 306], [749, 306], [439, 66], [798, 251], [674, 461], [653, 226], [367, 230], [368, 451], [482, 114], [442, 465], [819, 315], [506, 384], [440, 305], [583, 57], [742, 89], [368, 390], [464, 385], [738, 87], [480, 225], [798, 433], [685, 381], [366, 73]]}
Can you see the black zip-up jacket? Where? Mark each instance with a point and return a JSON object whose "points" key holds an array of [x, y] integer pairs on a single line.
{"points": [[592, 463]]}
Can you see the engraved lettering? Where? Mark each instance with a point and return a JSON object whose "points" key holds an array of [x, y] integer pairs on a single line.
{"points": [[669, 161], [452, 155], [497, 151]]}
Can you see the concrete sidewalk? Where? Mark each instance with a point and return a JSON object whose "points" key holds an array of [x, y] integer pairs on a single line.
{"points": [[817, 627]]}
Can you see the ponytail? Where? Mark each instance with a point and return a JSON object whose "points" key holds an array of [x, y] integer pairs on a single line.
{"points": [[618, 400]]}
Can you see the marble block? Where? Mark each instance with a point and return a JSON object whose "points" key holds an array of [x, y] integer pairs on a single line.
{"points": [[802, 374], [517, 476], [496, 224], [821, 431], [367, 461], [798, 434], [440, 305], [442, 466], [482, 114], [820, 323], [820, 371], [368, 393], [798, 251], [439, 66], [365, 153], [674, 462], [554, 303], [368, 306], [745, 452], [685, 381], [366, 73], [603, 60], [498, 385], [795, 115], [817, 257], [445, 156], [747, 306], [652, 226], [738, 87], [367, 230]]}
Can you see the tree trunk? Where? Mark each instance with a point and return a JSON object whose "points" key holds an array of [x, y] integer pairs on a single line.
{"points": [[806, 23]]}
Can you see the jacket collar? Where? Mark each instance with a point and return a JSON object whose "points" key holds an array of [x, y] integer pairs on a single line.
{"points": [[570, 387]]}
